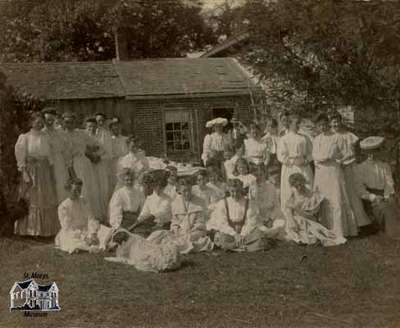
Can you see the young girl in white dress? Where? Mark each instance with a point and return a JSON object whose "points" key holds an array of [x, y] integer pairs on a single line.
{"points": [[295, 154], [188, 224], [79, 229], [37, 187], [347, 144], [126, 202], [303, 211], [337, 214]]}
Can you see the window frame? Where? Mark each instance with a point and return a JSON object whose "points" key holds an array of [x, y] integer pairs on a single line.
{"points": [[166, 131]]}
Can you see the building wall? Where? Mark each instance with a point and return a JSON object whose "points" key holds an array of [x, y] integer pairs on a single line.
{"points": [[146, 118]]}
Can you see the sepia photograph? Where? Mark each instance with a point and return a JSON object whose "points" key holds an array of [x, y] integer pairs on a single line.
{"points": [[199, 163]]}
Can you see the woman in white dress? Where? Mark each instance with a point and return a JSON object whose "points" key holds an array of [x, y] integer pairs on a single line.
{"points": [[79, 228], [234, 222], [215, 143], [303, 211], [143, 254], [255, 150], [34, 160], [203, 191], [170, 189], [265, 195], [337, 214], [135, 159], [119, 148], [215, 183], [126, 202], [295, 154], [347, 144], [188, 224], [79, 165], [57, 148], [156, 213], [100, 160], [271, 139]]}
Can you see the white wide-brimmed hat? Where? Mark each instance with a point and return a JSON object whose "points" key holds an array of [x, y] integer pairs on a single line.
{"points": [[219, 120], [372, 143]]}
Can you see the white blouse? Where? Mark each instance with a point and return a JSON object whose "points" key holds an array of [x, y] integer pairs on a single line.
{"points": [[157, 205], [32, 144], [326, 147], [136, 161], [213, 142], [347, 142], [272, 142], [119, 146], [74, 214], [255, 151], [219, 217], [249, 180], [294, 145], [75, 143], [124, 199]]}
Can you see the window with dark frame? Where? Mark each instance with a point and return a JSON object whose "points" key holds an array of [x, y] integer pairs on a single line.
{"points": [[178, 131]]}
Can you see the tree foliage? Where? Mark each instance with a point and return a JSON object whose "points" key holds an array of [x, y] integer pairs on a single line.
{"points": [[75, 30], [331, 52]]}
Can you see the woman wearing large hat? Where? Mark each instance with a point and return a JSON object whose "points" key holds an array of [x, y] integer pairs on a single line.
{"points": [[377, 188], [215, 143]]}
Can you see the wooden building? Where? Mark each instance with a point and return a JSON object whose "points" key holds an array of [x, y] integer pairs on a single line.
{"points": [[165, 102]]}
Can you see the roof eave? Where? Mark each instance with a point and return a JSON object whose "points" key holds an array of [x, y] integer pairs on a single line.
{"points": [[189, 95]]}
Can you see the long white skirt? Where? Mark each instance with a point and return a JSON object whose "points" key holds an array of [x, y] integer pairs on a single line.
{"points": [[336, 212], [61, 177], [84, 170], [287, 171]]}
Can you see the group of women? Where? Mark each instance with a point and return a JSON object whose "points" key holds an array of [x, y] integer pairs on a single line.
{"points": [[95, 189]]}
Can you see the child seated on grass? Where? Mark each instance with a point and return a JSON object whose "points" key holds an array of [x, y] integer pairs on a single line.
{"points": [[80, 231]]}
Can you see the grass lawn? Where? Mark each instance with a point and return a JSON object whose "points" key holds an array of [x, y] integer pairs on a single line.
{"points": [[355, 285]]}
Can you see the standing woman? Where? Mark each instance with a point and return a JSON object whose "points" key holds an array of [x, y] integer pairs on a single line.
{"points": [[295, 154], [34, 160], [79, 165], [255, 150], [215, 143], [99, 157], [347, 144], [57, 148], [119, 148], [329, 180]]}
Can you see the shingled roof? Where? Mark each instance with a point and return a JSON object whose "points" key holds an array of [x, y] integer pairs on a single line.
{"points": [[131, 79]]}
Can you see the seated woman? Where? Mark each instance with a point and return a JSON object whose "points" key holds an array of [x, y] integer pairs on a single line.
{"points": [[376, 188], [126, 202], [234, 222], [265, 195], [144, 255], [204, 192], [170, 189], [156, 213], [79, 229], [188, 224], [215, 183], [302, 212], [135, 159]]}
